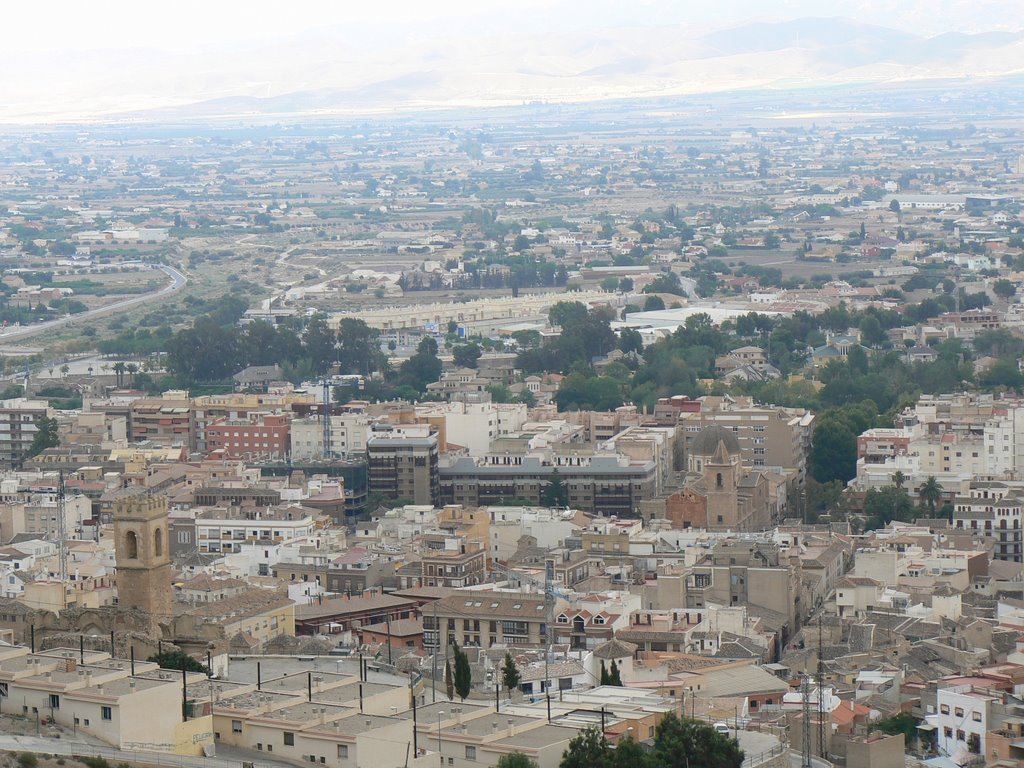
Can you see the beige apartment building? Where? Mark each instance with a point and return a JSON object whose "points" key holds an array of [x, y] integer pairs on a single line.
{"points": [[485, 619], [768, 436], [167, 420]]}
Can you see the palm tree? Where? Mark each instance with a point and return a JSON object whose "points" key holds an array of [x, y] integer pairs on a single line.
{"points": [[132, 369], [119, 372], [930, 492], [899, 480]]}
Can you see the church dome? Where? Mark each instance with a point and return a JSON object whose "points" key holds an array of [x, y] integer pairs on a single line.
{"points": [[707, 440]]}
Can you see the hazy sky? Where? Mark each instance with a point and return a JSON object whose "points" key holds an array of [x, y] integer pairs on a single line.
{"points": [[185, 24], [86, 59]]}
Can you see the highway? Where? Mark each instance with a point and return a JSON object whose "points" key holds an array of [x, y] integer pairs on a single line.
{"points": [[178, 281]]}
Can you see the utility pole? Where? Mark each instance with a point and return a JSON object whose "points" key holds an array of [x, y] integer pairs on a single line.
{"points": [[433, 657], [805, 700], [821, 691], [62, 535], [549, 612], [327, 419]]}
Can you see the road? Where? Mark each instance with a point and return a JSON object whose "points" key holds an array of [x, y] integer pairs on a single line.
{"points": [[178, 281]]}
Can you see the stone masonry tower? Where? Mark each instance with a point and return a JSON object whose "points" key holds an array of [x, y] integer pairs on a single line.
{"points": [[143, 562]]}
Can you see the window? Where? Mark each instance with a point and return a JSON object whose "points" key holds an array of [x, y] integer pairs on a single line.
{"points": [[106, 713], [944, 708], [343, 751], [236, 726], [289, 739], [960, 736], [947, 732], [470, 753], [54, 701], [976, 717], [958, 712]]}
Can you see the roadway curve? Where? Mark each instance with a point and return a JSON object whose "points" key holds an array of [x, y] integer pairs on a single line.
{"points": [[178, 281]]}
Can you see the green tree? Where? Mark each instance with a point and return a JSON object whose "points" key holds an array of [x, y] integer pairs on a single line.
{"points": [[699, 742], [899, 480], [463, 674], [178, 659], [510, 676], [555, 493], [904, 723], [45, 437], [630, 340], [466, 355], [604, 674], [1004, 372], [654, 304], [588, 749], [423, 367], [515, 760], [930, 493], [614, 677], [1003, 288], [449, 681], [629, 754]]}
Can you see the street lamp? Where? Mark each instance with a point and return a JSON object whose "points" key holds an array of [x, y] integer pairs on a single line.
{"points": [[440, 714]]}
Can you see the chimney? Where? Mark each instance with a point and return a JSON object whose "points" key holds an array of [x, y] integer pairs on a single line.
{"points": [[511, 727], [494, 727]]}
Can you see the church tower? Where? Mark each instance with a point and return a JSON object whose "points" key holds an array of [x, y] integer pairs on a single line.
{"points": [[143, 561], [722, 474]]}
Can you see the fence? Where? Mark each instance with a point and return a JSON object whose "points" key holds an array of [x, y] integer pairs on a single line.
{"points": [[750, 761], [115, 756]]}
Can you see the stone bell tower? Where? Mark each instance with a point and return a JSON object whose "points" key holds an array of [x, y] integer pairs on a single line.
{"points": [[141, 551]]}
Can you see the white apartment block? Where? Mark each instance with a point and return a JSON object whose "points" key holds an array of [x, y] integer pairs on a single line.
{"points": [[993, 509], [474, 425], [962, 721], [954, 438], [220, 532]]}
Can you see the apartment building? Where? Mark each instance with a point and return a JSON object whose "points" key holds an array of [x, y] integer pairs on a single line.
{"points": [[964, 717], [167, 420], [446, 561], [19, 423], [227, 530], [605, 484], [768, 436], [472, 425], [349, 433], [993, 509], [263, 436], [237, 405], [403, 463], [486, 619]]}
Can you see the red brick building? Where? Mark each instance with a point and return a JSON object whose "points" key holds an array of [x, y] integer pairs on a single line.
{"points": [[261, 435]]}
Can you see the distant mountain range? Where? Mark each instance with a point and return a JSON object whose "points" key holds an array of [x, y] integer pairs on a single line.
{"points": [[328, 72]]}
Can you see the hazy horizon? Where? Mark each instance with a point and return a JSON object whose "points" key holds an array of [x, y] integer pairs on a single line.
{"points": [[108, 58]]}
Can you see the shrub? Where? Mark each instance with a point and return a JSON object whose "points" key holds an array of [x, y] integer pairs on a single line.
{"points": [[27, 760]]}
